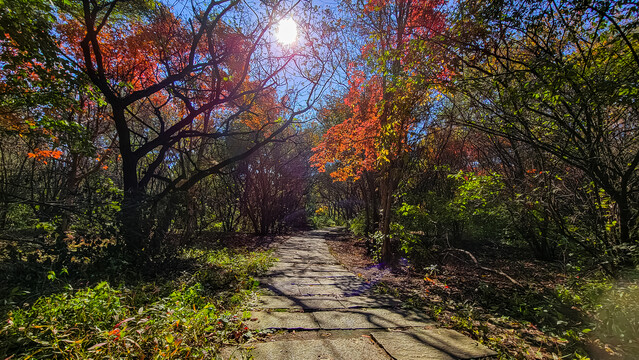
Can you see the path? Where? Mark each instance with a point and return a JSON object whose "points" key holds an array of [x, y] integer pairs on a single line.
{"points": [[329, 313]]}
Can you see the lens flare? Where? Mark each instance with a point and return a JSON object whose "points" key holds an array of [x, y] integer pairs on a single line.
{"points": [[287, 31]]}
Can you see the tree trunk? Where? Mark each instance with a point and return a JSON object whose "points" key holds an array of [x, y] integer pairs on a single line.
{"points": [[625, 219], [384, 226], [131, 222], [131, 219], [367, 212], [388, 185], [69, 193], [371, 194]]}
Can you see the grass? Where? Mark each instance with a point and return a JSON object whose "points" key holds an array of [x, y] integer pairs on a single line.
{"points": [[191, 315]]}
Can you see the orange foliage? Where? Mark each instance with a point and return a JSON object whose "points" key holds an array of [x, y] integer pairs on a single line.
{"points": [[141, 53], [136, 53], [375, 136], [264, 107], [353, 143], [44, 155]]}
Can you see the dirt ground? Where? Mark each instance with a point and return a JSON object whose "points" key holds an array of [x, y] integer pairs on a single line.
{"points": [[501, 300]]}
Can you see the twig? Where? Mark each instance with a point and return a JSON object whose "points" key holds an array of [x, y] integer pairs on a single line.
{"points": [[474, 259], [21, 240]]}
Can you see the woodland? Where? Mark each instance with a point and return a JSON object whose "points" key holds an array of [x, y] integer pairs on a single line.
{"points": [[484, 153]]}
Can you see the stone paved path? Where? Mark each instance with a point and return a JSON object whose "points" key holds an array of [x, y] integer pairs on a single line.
{"points": [[329, 313]]}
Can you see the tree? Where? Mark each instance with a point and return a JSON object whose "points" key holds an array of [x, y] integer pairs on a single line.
{"points": [[174, 85], [51, 125], [34, 78], [562, 77], [384, 97], [275, 182]]}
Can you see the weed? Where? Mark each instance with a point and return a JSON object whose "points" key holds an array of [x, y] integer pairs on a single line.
{"points": [[188, 318]]}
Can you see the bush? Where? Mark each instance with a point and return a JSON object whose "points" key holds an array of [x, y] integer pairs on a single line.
{"points": [[472, 210], [612, 309], [478, 205], [65, 323], [614, 306], [357, 225], [618, 313], [322, 220], [191, 320]]}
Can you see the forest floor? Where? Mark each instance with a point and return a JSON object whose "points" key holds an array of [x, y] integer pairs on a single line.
{"points": [[512, 304], [187, 306], [197, 301]]}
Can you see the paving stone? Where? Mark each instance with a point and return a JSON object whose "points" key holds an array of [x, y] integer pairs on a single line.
{"points": [[305, 273], [299, 302], [314, 250], [281, 320], [352, 287], [405, 349], [292, 280], [373, 301], [370, 319], [292, 266], [281, 289], [360, 348], [344, 280], [431, 344], [321, 290], [303, 262], [309, 255], [302, 244]]}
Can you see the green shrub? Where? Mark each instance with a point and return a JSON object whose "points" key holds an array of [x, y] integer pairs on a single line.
{"points": [[376, 252], [19, 216], [63, 323], [191, 320], [99, 214], [619, 312], [470, 208], [478, 205], [613, 308], [322, 220], [357, 225]]}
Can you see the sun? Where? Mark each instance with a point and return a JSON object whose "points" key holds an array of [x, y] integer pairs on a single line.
{"points": [[287, 31]]}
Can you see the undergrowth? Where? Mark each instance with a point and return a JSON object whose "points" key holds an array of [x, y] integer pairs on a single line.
{"points": [[595, 318], [548, 313], [190, 316]]}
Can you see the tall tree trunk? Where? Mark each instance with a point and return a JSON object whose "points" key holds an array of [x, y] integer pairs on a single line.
{"points": [[131, 222], [69, 193], [388, 185], [131, 217], [367, 214], [625, 219], [384, 228]]}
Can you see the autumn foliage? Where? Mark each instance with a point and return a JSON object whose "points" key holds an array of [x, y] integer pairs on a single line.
{"points": [[382, 94], [353, 144]]}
